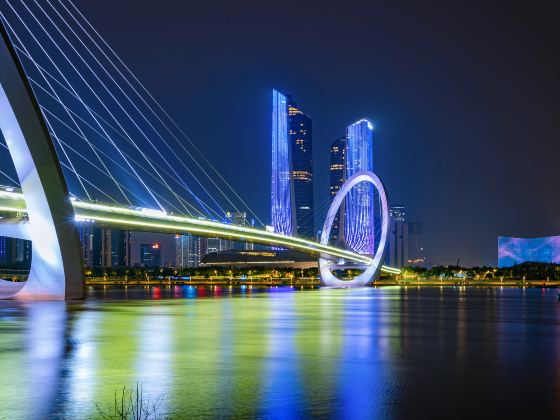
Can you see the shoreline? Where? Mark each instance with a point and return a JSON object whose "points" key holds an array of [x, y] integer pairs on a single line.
{"points": [[316, 283]]}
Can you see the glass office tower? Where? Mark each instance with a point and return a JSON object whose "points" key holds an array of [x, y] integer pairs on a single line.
{"points": [[359, 223], [282, 214], [302, 169], [337, 178], [292, 204]]}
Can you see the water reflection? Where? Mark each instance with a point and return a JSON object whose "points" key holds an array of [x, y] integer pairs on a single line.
{"points": [[282, 353]]}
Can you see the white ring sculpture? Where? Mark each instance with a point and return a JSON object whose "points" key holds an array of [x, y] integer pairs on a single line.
{"points": [[372, 271], [56, 262]]}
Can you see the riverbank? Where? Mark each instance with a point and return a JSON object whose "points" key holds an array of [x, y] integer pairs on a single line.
{"points": [[308, 281]]}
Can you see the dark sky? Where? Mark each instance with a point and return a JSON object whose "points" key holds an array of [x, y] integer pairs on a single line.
{"points": [[464, 97]]}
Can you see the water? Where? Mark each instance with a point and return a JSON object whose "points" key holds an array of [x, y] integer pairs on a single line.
{"points": [[284, 353]]}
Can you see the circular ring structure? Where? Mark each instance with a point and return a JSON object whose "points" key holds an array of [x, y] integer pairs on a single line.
{"points": [[372, 270]]}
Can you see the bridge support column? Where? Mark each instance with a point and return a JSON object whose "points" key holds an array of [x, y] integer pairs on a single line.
{"points": [[56, 267]]}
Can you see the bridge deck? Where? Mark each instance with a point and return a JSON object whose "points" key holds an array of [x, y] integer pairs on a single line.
{"points": [[157, 221]]}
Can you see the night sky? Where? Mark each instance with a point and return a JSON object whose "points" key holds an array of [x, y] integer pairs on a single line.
{"points": [[464, 98]]}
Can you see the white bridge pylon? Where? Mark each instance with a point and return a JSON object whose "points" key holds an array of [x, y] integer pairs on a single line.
{"points": [[370, 274], [56, 267]]}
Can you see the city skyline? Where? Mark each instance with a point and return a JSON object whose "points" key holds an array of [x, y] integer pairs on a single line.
{"points": [[425, 147], [453, 106]]}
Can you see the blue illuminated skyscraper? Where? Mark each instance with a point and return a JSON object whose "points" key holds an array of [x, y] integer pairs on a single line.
{"points": [[292, 204], [359, 223], [282, 212]]}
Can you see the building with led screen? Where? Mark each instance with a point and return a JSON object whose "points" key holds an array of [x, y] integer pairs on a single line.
{"points": [[359, 223], [512, 251], [292, 206]]}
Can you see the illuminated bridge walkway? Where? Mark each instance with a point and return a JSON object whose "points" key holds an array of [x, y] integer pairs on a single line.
{"points": [[149, 220]]}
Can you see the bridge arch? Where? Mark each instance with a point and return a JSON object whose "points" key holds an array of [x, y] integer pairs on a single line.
{"points": [[56, 264], [372, 270]]}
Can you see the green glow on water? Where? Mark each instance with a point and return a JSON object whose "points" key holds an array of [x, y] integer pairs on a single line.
{"points": [[351, 353]]}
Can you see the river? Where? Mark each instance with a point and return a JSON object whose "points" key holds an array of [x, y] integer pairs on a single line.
{"points": [[385, 352]]}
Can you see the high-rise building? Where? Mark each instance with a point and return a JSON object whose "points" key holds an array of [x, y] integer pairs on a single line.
{"points": [[239, 218], [359, 222], [23, 251], [150, 254], [292, 204], [103, 247], [85, 231], [189, 250], [282, 210], [416, 244], [217, 245], [15, 252], [5, 250], [397, 243], [337, 178], [121, 244], [302, 169]]}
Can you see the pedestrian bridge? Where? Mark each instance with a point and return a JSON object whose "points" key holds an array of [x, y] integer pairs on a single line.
{"points": [[150, 220], [40, 208]]}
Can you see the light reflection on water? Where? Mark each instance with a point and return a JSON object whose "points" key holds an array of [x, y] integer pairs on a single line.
{"points": [[286, 353]]}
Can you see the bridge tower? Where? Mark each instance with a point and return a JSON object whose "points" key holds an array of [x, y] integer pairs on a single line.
{"points": [[56, 265]]}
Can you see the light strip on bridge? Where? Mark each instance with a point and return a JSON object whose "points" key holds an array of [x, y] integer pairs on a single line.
{"points": [[244, 232], [204, 226]]}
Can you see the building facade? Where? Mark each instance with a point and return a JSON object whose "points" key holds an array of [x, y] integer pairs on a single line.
{"points": [[217, 245], [300, 131], [397, 244], [416, 256], [103, 247], [189, 251], [282, 192], [292, 203], [512, 251], [239, 218], [359, 218], [15, 252], [150, 255], [337, 176]]}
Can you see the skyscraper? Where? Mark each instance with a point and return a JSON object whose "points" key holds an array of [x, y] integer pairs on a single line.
{"points": [[239, 218], [359, 223], [121, 244], [15, 252], [397, 246], [416, 244], [337, 178], [282, 192], [292, 204], [103, 247], [302, 169], [189, 250], [150, 254]]}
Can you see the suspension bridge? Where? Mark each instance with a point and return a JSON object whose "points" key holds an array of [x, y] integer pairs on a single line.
{"points": [[87, 143]]}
